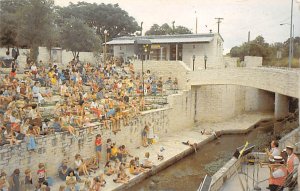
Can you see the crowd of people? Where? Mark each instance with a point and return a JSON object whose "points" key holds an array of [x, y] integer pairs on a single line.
{"points": [[81, 93]]}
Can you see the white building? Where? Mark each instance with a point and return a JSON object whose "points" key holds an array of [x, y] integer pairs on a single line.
{"points": [[176, 48]]}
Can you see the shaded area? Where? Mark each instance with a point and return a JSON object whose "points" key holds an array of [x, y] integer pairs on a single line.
{"points": [[188, 173]]}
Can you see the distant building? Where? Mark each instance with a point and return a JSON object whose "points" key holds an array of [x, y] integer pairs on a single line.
{"points": [[183, 47]]}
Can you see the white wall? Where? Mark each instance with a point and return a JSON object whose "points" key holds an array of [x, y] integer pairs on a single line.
{"points": [[252, 61], [123, 51], [44, 55], [257, 99], [230, 62]]}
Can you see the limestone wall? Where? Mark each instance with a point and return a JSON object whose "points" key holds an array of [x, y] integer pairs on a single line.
{"points": [[165, 69]]}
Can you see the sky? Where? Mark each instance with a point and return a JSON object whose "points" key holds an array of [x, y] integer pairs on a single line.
{"points": [[260, 17]]}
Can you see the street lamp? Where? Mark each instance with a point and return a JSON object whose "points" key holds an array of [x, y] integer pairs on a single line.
{"points": [[105, 38], [291, 47], [194, 62], [205, 60]]}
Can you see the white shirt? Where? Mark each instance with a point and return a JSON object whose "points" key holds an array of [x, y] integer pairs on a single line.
{"points": [[78, 163], [275, 151], [33, 68], [278, 173]]}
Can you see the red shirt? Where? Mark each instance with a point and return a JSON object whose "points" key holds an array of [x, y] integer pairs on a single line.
{"points": [[98, 142]]}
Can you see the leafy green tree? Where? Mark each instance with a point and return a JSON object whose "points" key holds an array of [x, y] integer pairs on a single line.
{"points": [[101, 17], [36, 23], [165, 29], [77, 36], [182, 30], [9, 22]]}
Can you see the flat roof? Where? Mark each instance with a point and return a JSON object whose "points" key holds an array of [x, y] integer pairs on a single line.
{"points": [[164, 39]]}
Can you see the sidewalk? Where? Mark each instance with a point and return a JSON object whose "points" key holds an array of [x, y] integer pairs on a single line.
{"points": [[175, 150]]}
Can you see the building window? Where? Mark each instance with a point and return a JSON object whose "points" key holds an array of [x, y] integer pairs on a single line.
{"points": [[120, 47], [194, 46]]}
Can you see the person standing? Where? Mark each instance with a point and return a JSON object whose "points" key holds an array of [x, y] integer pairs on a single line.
{"points": [[14, 181], [98, 145], [278, 174], [292, 168]]}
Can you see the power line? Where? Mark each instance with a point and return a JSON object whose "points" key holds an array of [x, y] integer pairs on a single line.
{"points": [[219, 21]]}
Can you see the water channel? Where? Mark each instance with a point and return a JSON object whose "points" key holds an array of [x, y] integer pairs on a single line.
{"points": [[187, 174]]}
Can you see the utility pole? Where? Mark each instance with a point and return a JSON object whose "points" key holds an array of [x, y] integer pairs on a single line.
{"points": [[219, 21], [248, 36], [142, 28], [291, 37], [249, 43], [173, 27], [196, 22]]}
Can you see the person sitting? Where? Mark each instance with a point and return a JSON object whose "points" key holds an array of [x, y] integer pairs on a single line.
{"points": [[274, 151], [64, 170], [80, 165], [108, 169], [120, 179], [71, 181], [146, 162], [278, 174], [132, 168]]}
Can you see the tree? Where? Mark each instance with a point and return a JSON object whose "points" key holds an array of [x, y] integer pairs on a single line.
{"points": [[36, 21], [182, 30], [8, 22], [165, 29], [101, 17], [76, 36]]}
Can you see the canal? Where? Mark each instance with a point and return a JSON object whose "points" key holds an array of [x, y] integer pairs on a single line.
{"points": [[187, 174]]}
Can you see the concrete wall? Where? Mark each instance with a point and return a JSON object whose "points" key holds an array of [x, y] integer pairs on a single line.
{"points": [[218, 102], [258, 100], [215, 103], [230, 62], [213, 50], [165, 69], [281, 105], [44, 55], [252, 61], [124, 51]]}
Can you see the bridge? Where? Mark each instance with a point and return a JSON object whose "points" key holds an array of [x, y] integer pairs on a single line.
{"points": [[283, 82], [278, 80]]}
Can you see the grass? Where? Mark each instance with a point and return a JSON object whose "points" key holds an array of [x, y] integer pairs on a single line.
{"points": [[283, 63]]}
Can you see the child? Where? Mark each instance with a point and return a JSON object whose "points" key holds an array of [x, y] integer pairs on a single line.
{"points": [[41, 173], [28, 180], [144, 136], [108, 149], [147, 163], [98, 144]]}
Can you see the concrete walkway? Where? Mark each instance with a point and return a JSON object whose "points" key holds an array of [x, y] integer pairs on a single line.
{"points": [[175, 150]]}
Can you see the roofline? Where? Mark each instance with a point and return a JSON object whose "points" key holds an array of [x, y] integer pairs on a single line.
{"points": [[164, 36]]}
